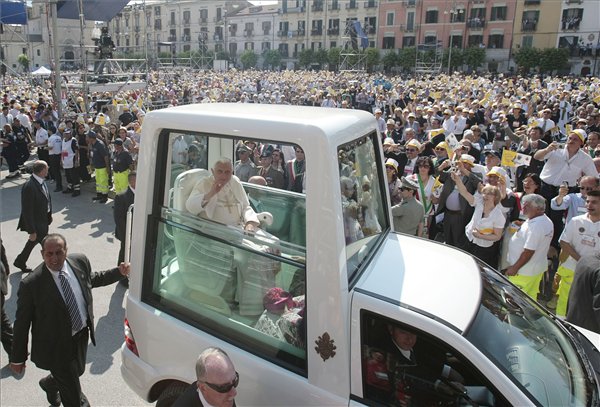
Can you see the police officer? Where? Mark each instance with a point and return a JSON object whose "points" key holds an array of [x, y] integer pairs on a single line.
{"points": [[121, 164], [23, 138], [101, 162]]}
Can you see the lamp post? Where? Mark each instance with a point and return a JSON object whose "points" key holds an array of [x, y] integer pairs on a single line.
{"points": [[454, 11]]}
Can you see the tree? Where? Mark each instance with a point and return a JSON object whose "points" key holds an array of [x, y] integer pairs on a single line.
{"points": [[23, 60], [407, 58], [248, 59], [321, 57], [553, 59], [456, 58], [306, 58], [272, 58], [389, 60], [473, 57], [371, 58], [223, 55], [333, 58], [527, 58]]}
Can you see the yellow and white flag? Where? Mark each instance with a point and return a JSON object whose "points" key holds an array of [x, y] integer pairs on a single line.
{"points": [[452, 142], [513, 159]]}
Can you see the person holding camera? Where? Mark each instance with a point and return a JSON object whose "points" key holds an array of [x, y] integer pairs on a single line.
{"points": [[563, 165]]}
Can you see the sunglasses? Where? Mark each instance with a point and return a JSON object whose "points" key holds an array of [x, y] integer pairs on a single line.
{"points": [[224, 388]]}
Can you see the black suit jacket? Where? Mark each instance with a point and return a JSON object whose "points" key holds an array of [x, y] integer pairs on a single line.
{"points": [[35, 216], [41, 307], [190, 398], [122, 203], [471, 182]]}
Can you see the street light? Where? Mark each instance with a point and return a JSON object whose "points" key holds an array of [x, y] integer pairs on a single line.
{"points": [[454, 11]]}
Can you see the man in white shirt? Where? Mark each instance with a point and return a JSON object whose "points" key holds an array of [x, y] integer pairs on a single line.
{"points": [[528, 247], [54, 154], [563, 166], [5, 117], [41, 141], [581, 237]]}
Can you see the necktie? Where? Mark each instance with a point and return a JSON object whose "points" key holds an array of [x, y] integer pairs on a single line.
{"points": [[45, 189], [70, 302]]}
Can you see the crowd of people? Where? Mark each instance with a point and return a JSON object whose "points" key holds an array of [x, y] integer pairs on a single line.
{"points": [[505, 168]]}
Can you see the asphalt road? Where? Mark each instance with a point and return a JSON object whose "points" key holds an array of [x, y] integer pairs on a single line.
{"points": [[88, 228]]}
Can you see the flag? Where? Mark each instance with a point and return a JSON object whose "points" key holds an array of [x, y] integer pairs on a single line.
{"points": [[433, 133], [452, 141], [568, 128], [513, 159]]}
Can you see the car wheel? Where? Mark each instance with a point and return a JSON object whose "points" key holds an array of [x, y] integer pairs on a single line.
{"points": [[171, 394]]}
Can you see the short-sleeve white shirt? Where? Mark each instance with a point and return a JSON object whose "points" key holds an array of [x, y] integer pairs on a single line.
{"points": [[583, 235], [535, 234], [486, 226]]}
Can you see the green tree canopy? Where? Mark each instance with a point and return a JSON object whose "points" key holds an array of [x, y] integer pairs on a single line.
{"points": [[333, 58], [407, 58], [306, 57], [473, 57], [553, 59], [248, 59], [23, 61], [371, 58], [390, 60], [527, 58], [272, 58], [321, 57]]}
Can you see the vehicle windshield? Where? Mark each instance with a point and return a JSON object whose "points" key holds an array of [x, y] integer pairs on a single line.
{"points": [[532, 349]]}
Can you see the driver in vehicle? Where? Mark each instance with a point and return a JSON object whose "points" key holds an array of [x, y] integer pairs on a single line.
{"points": [[221, 198], [412, 374]]}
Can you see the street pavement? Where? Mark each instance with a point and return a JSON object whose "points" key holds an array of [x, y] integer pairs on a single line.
{"points": [[88, 228]]}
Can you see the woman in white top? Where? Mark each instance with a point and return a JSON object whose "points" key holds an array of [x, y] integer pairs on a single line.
{"points": [[486, 225]]}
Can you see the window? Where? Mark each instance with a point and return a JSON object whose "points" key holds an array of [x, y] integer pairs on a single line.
{"points": [[388, 43], [498, 13], [457, 16], [496, 41], [363, 202], [389, 18], [430, 39], [249, 46], [455, 41], [527, 41], [431, 17], [283, 50], [157, 25], [571, 18], [266, 27], [39, 53], [401, 363], [408, 42], [475, 40], [217, 277], [265, 46], [530, 20], [476, 18], [172, 20], [410, 21], [513, 331], [332, 44]]}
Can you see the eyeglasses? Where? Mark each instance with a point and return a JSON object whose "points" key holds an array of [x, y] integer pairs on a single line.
{"points": [[224, 388]]}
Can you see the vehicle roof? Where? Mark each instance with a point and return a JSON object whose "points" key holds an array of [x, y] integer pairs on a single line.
{"points": [[428, 276], [263, 121]]}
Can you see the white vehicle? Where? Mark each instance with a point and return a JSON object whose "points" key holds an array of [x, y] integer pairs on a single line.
{"points": [[476, 339]]}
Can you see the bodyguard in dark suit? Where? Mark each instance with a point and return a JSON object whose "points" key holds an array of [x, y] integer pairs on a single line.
{"points": [[216, 384], [36, 212], [55, 301], [121, 204]]}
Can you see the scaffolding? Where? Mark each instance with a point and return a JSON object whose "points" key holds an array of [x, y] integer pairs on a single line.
{"points": [[352, 59], [429, 58]]}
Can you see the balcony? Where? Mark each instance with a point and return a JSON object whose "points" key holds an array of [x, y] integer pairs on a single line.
{"points": [[185, 38], [267, 32], [333, 31], [409, 28], [476, 23], [370, 4], [570, 24], [217, 38], [409, 3], [282, 33], [316, 31], [301, 32], [316, 7], [186, 21], [334, 6], [172, 38], [351, 6], [532, 2], [203, 20], [529, 25], [248, 33]]}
